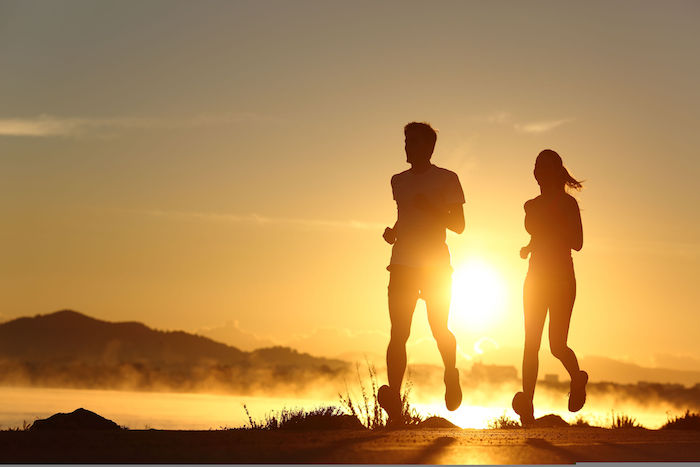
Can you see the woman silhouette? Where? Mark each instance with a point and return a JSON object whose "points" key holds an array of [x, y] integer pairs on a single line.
{"points": [[553, 221]]}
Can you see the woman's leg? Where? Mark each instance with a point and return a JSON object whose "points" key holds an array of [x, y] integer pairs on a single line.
{"points": [[535, 308], [560, 309]]}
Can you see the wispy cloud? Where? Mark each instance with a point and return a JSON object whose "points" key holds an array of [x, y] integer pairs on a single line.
{"points": [[506, 118], [264, 220], [499, 117], [52, 126], [232, 333], [540, 127]]}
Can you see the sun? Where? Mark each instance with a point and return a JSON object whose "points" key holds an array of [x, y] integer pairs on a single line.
{"points": [[478, 295]]}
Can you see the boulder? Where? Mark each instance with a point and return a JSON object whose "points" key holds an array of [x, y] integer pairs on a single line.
{"points": [[550, 421], [79, 419]]}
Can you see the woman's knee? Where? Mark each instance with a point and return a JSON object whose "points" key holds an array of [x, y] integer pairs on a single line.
{"points": [[443, 334], [559, 350], [532, 346]]}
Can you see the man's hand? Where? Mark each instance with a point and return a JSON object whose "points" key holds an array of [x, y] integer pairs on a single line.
{"points": [[389, 235]]}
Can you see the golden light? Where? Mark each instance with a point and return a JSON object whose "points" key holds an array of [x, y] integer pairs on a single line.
{"points": [[478, 295]]}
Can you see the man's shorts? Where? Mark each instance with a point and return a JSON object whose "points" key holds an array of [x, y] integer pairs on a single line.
{"points": [[420, 282]]}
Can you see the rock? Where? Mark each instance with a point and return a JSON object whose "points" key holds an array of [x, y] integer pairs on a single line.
{"points": [[79, 419], [436, 422], [550, 421]]}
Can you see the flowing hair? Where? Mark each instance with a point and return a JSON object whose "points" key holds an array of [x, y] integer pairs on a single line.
{"points": [[549, 163], [570, 181]]}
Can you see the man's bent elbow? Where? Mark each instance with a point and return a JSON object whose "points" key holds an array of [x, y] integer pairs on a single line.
{"points": [[458, 229]]}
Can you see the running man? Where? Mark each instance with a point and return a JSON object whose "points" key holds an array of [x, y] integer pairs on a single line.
{"points": [[429, 200]]}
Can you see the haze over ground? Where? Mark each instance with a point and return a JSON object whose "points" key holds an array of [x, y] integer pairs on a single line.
{"points": [[186, 165]]}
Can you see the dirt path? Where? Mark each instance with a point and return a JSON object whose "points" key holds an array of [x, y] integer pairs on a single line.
{"points": [[435, 446]]}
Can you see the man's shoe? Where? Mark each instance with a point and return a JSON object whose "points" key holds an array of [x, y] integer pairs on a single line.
{"points": [[390, 401], [523, 407], [453, 392], [577, 394]]}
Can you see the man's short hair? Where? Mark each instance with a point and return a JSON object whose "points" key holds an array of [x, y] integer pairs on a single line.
{"points": [[423, 130]]}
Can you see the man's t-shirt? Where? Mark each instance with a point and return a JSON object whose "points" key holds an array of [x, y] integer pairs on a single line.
{"points": [[420, 238]]}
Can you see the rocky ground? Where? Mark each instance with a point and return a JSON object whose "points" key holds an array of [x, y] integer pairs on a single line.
{"points": [[427, 445]]}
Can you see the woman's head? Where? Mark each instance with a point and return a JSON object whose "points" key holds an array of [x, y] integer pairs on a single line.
{"points": [[550, 171]]}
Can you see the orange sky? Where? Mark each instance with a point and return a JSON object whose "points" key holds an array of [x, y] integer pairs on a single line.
{"points": [[188, 164]]}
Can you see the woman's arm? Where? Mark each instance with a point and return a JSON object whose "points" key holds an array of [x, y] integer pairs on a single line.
{"points": [[529, 216], [576, 226]]}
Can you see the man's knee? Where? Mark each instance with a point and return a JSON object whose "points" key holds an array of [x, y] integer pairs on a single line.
{"points": [[399, 336]]}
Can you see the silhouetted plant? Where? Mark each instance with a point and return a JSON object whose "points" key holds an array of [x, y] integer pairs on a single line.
{"points": [[624, 421], [294, 418], [689, 421], [504, 422], [25, 427], [253, 424], [581, 422], [368, 410], [410, 414]]}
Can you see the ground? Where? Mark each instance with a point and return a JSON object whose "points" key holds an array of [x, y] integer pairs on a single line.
{"points": [[421, 446]]}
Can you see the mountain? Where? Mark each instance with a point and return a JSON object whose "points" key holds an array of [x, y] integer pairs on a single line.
{"points": [[608, 369], [70, 349], [71, 336]]}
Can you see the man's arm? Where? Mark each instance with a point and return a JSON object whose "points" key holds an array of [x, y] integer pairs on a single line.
{"points": [[454, 220], [391, 233]]}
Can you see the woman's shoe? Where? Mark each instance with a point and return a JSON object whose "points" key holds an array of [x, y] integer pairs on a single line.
{"points": [[577, 394]]}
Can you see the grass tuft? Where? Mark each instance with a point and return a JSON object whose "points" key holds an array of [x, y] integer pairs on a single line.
{"points": [[581, 422], [352, 412], [504, 422], [689, 421], [623, 421], [368, 410], [320, 417]]}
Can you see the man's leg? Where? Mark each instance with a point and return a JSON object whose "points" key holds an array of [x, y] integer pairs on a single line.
{"points": [[437, 294], [403, 294]]}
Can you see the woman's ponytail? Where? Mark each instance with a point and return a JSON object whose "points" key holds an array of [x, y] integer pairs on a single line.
{"points": [[570, 181]]}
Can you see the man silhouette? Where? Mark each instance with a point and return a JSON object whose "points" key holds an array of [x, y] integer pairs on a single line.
{"points": [[429, 200]]}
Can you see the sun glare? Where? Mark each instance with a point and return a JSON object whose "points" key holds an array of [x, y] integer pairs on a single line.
{"points": [[478, 295]]}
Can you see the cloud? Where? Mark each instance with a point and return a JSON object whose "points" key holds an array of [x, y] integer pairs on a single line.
{"points": [[499, 117], [676, 362], [231, 333], [506, 118], [50, 126], [264, 220], [540, 127], [343, 343], [654, 247]]}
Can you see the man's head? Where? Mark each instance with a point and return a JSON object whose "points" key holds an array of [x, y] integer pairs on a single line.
{"points": [[420, 142]]}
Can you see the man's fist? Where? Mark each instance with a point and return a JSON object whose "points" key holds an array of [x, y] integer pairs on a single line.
{"points": [[389, 235]]}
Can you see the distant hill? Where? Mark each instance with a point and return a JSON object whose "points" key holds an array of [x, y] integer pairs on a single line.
{"points": [[67, 348], [608, 369], [71, 336]]}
